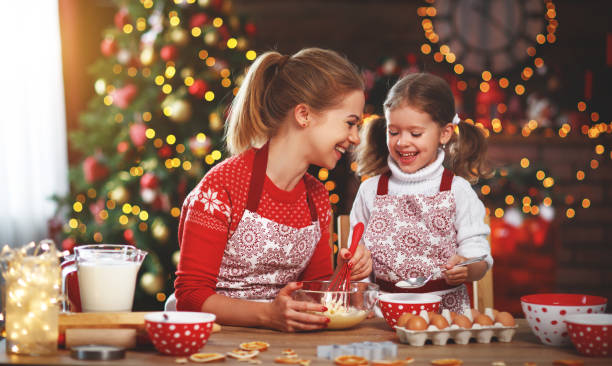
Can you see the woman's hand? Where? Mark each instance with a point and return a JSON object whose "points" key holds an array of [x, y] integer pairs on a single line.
{"points": [[455, 275], [360, 263], [288, 315]]}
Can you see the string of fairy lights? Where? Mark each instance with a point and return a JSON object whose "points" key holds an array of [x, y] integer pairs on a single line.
{"points": [[443, 53]]}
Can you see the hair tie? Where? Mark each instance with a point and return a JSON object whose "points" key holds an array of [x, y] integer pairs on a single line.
{"points": [[456, 119]]}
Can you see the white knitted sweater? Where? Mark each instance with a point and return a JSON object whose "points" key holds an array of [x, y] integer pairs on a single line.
{"points": [[472, 231]]}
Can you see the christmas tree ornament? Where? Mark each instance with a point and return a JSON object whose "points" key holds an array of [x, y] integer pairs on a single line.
{"points": [[94, 170], [175, 257], [122, 147], [204, 3], [198, 88], [159, 230], [119, 194], [250, 28], [186, 72], [124, 56], [149, 180], [211, 38], [95, 208], [128, 235], [122, 17], [148, 195], [179, 110], [168, 53], [214, 122], [164, 152], [147, 55], [100, 86], [243, 44], [198, 20], [68, 244], [179, 36], [108, 46], [122, 97], [151, 283], [199, 147], [138, 134]]}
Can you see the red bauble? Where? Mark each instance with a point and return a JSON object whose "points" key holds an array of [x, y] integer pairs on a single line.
{"points": [[198, 88], [122, 18], [108, 46], [149, 180], [122, 97], [165, 152], [122, 147], [128, 235], [138, 134], [68, 244], [168, 53], [224, 33], [198, 20], [94, 170], [250, 29]]}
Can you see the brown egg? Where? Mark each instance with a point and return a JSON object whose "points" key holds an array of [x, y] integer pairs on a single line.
{"points": [[452, 315], [438, 321], [417, 323], [495, 312], [475, 313], [505, 318], [403, 319], [462, 321], [483, 320]]}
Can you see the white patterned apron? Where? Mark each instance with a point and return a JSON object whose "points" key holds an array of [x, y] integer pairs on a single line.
{"points": [[262, 256], [412, 235]]}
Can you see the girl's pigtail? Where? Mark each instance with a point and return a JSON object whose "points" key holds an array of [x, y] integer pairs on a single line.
{"points": [[466, 153], [371, 154]]}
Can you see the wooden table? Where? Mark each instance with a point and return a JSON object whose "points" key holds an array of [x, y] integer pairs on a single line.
{"points": [[524, 347]]}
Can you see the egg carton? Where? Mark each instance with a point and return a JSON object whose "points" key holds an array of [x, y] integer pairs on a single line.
{"points": [[439, 337]]}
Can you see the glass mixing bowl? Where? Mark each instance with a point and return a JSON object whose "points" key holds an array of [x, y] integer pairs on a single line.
{"points": [[345, 309]]}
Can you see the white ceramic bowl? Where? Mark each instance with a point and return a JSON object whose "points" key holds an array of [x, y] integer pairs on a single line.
{"points": [[546, 314]]}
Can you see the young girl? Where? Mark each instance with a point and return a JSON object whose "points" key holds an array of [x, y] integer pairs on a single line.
{"points": [[257, 222], [419, 215]]}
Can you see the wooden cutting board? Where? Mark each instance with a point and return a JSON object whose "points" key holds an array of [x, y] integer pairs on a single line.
{"points": [[133, 320]]}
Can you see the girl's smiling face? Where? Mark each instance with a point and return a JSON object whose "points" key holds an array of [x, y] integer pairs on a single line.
{"points": [[413, 137]]}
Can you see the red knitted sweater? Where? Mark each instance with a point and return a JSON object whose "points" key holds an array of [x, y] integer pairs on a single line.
{"points": [[212, 211]]}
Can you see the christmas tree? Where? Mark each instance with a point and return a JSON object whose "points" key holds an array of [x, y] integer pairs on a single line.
{"points": [[168, 72]]}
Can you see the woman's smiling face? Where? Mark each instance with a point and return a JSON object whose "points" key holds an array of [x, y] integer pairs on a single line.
{"points": [[413, 138]]}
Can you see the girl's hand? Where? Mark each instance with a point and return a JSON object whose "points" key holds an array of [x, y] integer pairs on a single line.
{"points": [[360, 263], [288, 315], [455, 275]]}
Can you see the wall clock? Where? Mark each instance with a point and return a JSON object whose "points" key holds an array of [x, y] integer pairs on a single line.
{"points": [[489, 34]]}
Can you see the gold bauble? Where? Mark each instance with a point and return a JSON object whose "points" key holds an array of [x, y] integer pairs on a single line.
{"points": [[211, 38], [119, 194], [147, 56], [175, 257], [186, 72], [243, 44], [179, 36], [204, 3], [151, 283], [180, 111], [160, 231], [214, 121]]}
